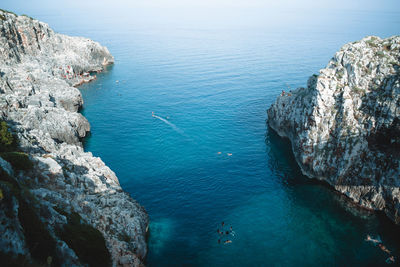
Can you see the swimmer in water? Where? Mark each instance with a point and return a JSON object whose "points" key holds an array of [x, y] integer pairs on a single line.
{"points": [[232, 232], [222, 224], [229, 154], [227, 242], [375, 241], [152, 113], [390, 260], [381, 246]]}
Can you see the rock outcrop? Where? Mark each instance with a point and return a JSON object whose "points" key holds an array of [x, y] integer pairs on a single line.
{"points": [[344, 126], [38, 69]]}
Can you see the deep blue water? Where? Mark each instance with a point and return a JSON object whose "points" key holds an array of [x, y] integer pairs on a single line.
{"points": [[212, 76]]}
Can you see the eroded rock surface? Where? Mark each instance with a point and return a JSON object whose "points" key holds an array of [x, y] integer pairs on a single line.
{"points": [[344, 126], [38, 69]]}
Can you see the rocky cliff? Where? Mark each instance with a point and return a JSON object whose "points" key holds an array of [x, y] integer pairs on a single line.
{"points": [[344, 126], [68, 197]]}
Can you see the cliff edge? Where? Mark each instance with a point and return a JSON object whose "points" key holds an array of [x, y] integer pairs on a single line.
{"points": [[344, 127], [63, 202]]}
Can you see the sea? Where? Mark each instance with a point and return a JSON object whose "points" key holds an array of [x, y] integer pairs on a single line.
{"points": [[181, 119]]}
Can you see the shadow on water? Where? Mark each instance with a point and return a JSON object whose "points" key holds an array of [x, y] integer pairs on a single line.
{"points": [[281, 159], [282, 163]]}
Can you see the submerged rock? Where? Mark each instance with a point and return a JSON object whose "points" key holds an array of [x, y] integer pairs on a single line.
{"points": [[38, 69], [344, 126]]}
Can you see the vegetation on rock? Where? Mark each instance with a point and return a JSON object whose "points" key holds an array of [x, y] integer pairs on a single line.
{"points": [[7, 140], [87, 242], [18, 160], [41, 244]]}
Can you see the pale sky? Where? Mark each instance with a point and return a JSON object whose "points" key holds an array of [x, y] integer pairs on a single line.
{"points": [[382, 5], [213, 13]]}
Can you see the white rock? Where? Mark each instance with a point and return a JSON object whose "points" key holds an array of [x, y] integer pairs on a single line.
{"points": [[38, 69], [345, 125]]}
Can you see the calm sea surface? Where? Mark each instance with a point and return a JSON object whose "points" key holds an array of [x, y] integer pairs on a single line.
{"points": [[209, 76]]}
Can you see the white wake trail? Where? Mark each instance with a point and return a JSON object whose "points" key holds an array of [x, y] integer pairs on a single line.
{"points": [[173, 126]]}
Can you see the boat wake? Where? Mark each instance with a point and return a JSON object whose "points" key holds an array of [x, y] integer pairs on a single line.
{"points": [[173, 126]]}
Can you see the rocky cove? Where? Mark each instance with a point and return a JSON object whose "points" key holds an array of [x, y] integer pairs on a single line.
{"points": [[217, 97], [344, 127], [62, 200]]}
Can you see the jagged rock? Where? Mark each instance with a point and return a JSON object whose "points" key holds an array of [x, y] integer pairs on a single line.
{"points": [[6, 166], [12, 237], [38, 69], [344, 127]]}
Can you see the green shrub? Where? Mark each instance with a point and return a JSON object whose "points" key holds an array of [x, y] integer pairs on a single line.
{"points": [[40, 243], [340, 73], [18, 160], [6, 11], [372, 42], [380, 54], [7, 141], [357, 90], [2, 17], [87, 242], [27, 16]]}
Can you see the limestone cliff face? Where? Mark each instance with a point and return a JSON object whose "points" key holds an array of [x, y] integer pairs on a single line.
{"points": [[38, 69], [345, 125]]}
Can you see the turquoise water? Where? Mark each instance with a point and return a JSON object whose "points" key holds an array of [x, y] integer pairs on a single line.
{"points": [[210, 78]]}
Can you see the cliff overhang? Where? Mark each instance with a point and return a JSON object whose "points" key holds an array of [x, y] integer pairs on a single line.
{"points": [[344, 126]]}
